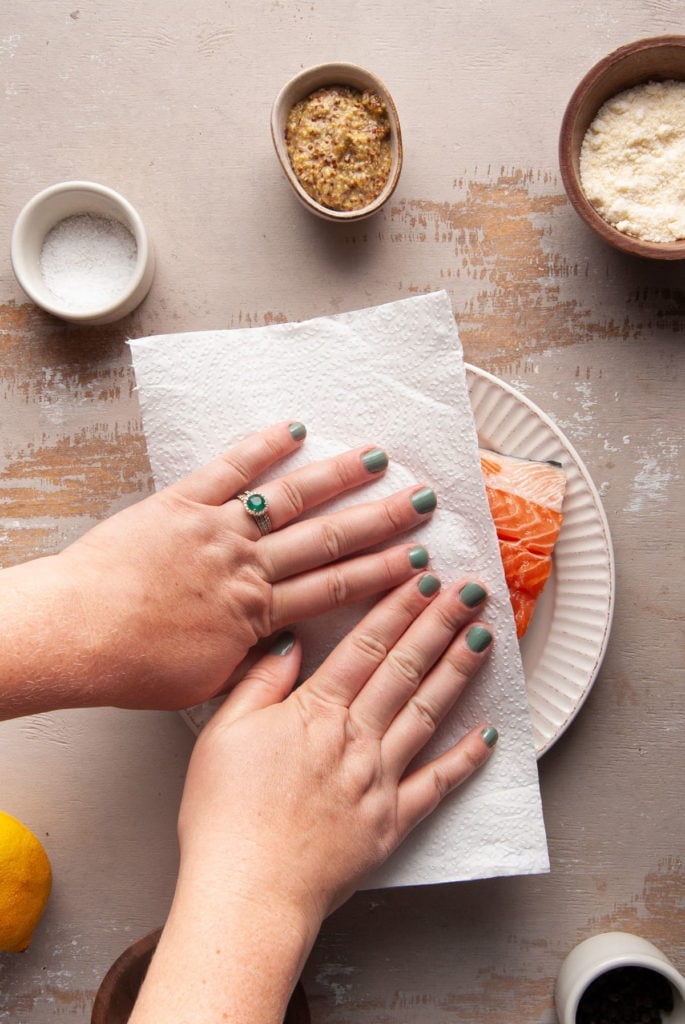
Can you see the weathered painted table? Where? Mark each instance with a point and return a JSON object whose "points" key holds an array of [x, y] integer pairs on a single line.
{"points": [[168, 102]]}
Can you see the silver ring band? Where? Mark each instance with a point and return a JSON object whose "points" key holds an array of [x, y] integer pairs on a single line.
{"points": [[256, 506]]}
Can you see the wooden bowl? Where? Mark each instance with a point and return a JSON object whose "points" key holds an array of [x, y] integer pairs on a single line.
{"points": [[119, 989], [647, 60], [317, 77]]}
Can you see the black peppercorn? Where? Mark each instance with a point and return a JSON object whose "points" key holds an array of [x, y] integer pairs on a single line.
{"points": [[626, 995]]}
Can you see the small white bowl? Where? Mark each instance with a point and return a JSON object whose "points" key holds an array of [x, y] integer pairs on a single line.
{"points": [[607, 952], [53, 205], [306, 82]]}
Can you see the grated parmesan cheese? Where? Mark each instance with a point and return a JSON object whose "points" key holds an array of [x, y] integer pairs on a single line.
{"points": [[632, 161]]}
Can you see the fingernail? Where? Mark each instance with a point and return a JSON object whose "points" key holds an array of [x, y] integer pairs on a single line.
{"points": [[424, 500], [283, 644], [478, 639], [472, 594], [298, 431], [490, 735], [428, 584], [418, 557], [375, 461]]}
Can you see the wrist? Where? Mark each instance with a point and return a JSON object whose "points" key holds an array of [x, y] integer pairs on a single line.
{"points": [[242, 951], [50, 656]]}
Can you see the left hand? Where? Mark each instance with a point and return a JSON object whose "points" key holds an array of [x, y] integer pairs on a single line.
{"points": [[170, 594]]}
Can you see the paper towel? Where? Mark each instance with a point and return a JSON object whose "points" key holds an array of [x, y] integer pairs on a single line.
{"points": [[391, 375]]}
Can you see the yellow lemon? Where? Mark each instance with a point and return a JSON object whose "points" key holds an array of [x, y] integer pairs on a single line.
{"points": [[25, 883]]}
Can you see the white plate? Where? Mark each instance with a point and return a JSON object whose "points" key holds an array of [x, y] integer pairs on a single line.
{"points": [[566, 640]]}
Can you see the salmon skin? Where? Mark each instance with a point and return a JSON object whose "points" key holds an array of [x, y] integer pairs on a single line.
{"points": [[525, 499]]}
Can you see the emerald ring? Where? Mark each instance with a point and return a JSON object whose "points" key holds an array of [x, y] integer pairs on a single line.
{"points": [[256, 506]]}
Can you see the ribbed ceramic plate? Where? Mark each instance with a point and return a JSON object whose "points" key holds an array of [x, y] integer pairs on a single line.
{"points": [[566, 640]]}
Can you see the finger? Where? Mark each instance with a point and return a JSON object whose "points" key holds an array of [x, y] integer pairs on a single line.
{"points": [[266, 682], [419, 719], [322, 590], [290, 495], [328, 538], [421, 792], [400, 676], [346, 670], [231, 472]]}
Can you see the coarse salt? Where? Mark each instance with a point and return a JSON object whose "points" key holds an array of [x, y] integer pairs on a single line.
{"points": [[632, 161], [88, 260]]}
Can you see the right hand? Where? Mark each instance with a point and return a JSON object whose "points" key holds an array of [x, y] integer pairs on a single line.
{"points": [[316, 789], [292, 798]]}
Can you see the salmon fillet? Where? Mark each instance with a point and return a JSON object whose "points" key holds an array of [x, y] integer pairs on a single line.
{"points": [[525, 499]]}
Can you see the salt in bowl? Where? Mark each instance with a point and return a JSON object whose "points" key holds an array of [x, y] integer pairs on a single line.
{"points": [[90, 241]]}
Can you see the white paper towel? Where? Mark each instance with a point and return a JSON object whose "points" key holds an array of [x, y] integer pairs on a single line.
{"points": [[391, 375]]}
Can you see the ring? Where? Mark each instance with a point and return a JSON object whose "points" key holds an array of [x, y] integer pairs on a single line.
{"points": [[256, 505]]}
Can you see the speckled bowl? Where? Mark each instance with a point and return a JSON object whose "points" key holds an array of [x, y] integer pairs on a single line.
{"points": [[118, 992], [316, 78], [646, 60]]}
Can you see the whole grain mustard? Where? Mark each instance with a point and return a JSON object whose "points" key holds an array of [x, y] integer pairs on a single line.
{"points": [[338, 141]]}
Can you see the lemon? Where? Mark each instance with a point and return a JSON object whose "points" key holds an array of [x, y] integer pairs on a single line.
{"points": [[25, 883]]}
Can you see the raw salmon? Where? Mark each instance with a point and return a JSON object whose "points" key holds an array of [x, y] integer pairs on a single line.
{"points": [[525, 499]]}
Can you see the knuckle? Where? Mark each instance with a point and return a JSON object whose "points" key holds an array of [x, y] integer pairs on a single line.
{"points": [[427, 713], [235, 464], [387, 574], [448, 616], [475, 755], [338, 590], [293, 497], [441, 783], [332, 541], [409, 603], [273, 446], [408, 663], [344, 475], [255, 596], [264, 677], [462, 668], [396, 521], [371, 646]]}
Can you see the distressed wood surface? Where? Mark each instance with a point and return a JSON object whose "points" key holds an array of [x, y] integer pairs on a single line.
{"points": [[168, 102]]}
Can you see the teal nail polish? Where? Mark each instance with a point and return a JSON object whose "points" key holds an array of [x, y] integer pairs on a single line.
{"points": [[428, 585], [478, 639], [418, 557], [472, 594], [490, 735], [298, 431], [283, 644], [424, 500], [375, 461]]}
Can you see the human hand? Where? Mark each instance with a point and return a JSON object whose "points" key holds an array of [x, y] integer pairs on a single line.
{"points": [[291, 798], [291, 801], [174, 591]]}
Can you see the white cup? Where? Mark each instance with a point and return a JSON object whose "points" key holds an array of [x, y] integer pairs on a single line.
{"points": [[606, 952]]}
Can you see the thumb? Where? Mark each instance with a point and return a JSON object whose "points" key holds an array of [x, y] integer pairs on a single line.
{"points": [[268, 681]]}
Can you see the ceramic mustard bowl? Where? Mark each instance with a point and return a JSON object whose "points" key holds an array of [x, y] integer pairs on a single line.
{"points": [[372, 183], [81, 252], [658, 59]]}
